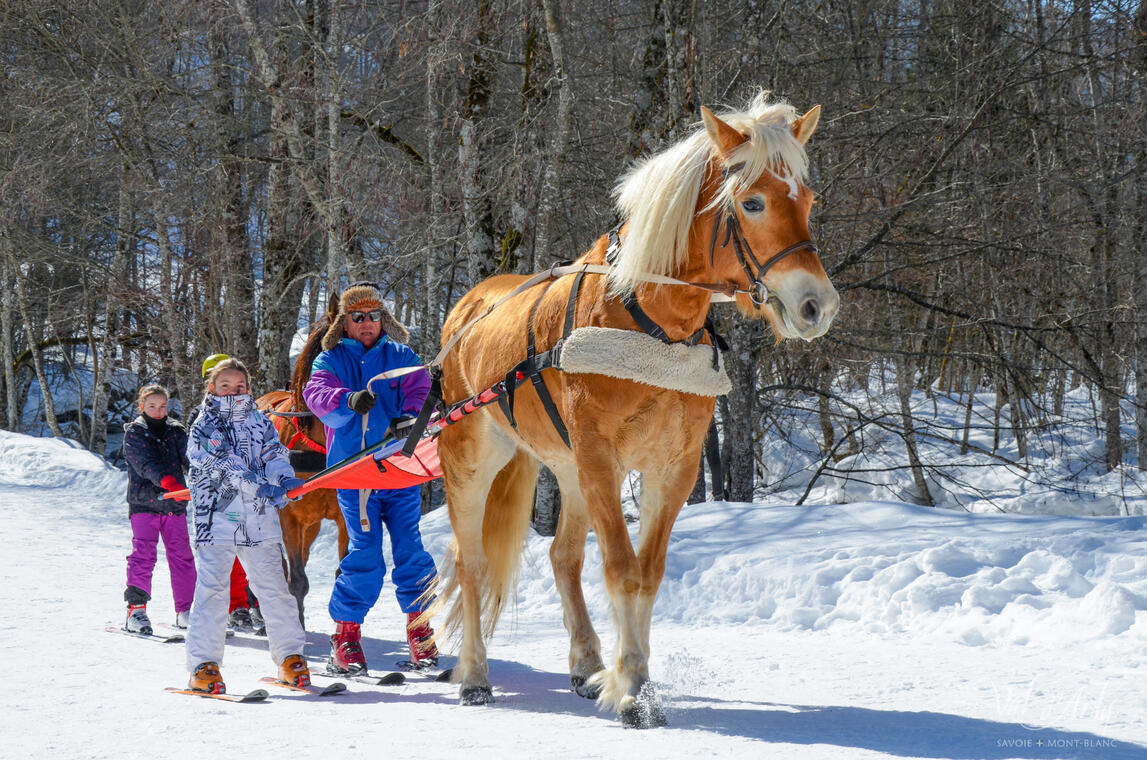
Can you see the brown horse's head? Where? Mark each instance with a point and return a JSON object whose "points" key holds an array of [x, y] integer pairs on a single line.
{"points": [[730, 205]]}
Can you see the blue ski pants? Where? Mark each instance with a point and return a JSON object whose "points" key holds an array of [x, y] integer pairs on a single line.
{"points": [[363, 569]]}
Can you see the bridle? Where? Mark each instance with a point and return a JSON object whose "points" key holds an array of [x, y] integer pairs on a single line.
{"points": [[758, 291]]}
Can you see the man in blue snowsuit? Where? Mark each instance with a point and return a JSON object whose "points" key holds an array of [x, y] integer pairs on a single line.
{"points": [[364, 340]]}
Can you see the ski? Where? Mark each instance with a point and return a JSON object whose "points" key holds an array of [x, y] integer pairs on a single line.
{"points": [[388, 679], [431, 672], [318, 691], [258, 695], [319, 668], [170, 631], [159, 638]]}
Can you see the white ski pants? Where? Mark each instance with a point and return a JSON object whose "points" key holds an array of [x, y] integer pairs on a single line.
{"points": [[264, 566]]}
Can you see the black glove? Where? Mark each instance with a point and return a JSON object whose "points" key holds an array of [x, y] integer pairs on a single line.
{"points": [[360, 402], [400, 427]]}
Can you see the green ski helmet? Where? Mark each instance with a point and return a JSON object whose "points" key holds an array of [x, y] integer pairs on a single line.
{"points": [[211, 361]]}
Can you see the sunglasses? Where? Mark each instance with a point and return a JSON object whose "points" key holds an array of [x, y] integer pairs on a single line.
{"points": [[375, 315]]}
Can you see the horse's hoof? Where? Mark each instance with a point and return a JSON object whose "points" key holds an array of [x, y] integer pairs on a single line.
{"points": [[580, 687], [641, 715], [644, 710], [476, 695]]}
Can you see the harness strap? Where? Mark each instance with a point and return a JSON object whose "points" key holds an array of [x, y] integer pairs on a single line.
{"points": [[532, 366], [758, 291], [649, 327], [310, 443], [281, 418], [433, 398], [643, 320]]}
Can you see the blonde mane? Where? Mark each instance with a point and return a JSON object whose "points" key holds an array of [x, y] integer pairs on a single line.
{"points": [[658, 196]]}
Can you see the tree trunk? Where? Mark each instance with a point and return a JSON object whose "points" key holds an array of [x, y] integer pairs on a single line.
{"points": [[335, 216], [678, 22], [555, 162], [824, 411], [905, 375], [7, 349], [643, 136], [711, 457], [477, 215], [745, 337], [183, 373], [284, 121], [105, 358], [282, 265], [231, 244], [547, 504], [431, 318], [1139, 284], [33, 346]]}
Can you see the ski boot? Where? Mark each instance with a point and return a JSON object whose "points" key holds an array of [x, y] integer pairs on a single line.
{"points": [[206, 677], [183, 619], [420, 636], [258, 625], [240, 620], [294, 671], [137, 620], [346, 650]]}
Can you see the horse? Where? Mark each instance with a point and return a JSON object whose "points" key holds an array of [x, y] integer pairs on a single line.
{"points": [[303, 433], [724, 210]]}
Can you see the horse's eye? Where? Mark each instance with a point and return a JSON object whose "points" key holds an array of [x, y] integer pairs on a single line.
{"points": [[753, 205]]}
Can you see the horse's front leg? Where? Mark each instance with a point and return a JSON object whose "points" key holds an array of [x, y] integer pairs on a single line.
{"points": [[567, 555], [295, 546], [620, 686], [663, 495]]}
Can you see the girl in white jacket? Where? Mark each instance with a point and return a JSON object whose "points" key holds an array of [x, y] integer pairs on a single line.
{"points": [[239, 478]]}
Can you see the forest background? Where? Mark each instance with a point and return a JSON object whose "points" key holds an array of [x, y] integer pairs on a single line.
{"points": [[184, 177]]}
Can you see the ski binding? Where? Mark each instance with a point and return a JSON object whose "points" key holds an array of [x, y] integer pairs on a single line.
{"points": [[318, 691], [257, 695]]}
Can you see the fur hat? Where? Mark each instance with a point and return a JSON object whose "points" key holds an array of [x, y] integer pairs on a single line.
{"points": [[362, 296]]}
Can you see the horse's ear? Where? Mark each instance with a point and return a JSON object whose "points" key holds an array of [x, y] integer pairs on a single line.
{"points": [[722, 135], [806, 125], [333, 304]]}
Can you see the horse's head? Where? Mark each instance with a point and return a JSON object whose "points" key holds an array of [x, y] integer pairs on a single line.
{"points": [[760, 206], [730, 204]]}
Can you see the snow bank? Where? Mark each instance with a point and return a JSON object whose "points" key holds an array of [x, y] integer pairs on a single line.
{"points": [[58, 463], [887, 568]]}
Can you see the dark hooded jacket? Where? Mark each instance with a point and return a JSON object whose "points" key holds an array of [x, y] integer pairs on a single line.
{"points": [[153, 448]]}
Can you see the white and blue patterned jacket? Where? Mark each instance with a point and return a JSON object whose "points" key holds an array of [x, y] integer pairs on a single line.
{"points": [[233, 449]]}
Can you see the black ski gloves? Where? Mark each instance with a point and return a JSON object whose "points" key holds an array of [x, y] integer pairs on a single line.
{"points": [[400, 427], [360, 402]]}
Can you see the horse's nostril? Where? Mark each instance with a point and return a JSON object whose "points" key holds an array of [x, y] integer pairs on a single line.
{"points": [[810, 311]]}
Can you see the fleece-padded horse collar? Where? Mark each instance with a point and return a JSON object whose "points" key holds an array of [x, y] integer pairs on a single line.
{"points": [[630, 355]]}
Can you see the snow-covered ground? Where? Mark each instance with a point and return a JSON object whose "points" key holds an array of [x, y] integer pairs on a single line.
{"points": [[872, 629]]}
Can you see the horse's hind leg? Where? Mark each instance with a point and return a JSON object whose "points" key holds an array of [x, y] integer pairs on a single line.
{"points": [[470, 463], [567, 555]]}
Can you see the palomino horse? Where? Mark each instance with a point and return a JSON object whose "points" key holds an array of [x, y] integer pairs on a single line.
{"points": [[725, 209], [305, 436]]}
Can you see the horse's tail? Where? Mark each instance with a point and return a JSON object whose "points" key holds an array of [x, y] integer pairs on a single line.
{"points": [[504, 525]]}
